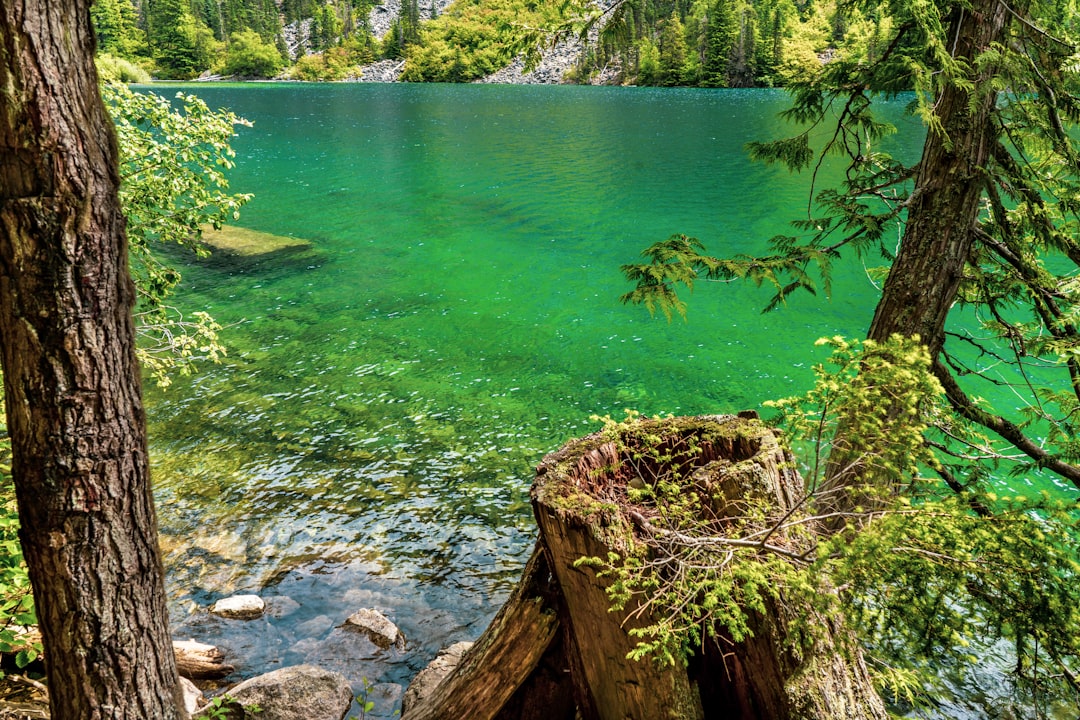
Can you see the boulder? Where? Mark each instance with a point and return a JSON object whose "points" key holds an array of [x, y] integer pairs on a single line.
{"points": [[300, 692], [239, 607], [377, 627], [428, 679]]}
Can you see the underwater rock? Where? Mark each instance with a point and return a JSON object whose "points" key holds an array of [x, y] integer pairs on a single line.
{"points": [[377, 627], [281, 606]]}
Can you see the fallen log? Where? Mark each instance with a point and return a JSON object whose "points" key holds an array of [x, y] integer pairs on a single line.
{"points": [[199, 661], [578, 666]]}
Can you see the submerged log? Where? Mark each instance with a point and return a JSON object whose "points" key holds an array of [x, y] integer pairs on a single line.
{"points": [[574, 662]]}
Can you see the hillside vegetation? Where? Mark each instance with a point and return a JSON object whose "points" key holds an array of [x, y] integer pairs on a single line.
{"points": [[711, 43]]}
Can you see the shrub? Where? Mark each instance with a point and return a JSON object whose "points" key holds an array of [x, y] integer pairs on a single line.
{"points": [[114, 69], [250, 56]]}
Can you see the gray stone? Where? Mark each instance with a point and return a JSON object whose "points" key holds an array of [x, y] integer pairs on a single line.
{"points": [[281, 606], [348, 652], [239, 607], [377, 627], [429, 678], [317, 626], [301, 692]]}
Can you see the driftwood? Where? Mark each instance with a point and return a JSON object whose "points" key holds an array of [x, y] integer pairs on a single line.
{"points": [[198, 661], [556, 651]]}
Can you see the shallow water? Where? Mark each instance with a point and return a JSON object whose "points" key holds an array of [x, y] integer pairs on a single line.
{"points": [[370, 440]]}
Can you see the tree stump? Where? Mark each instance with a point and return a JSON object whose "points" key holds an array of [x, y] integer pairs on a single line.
{"points": [[575, 662]]}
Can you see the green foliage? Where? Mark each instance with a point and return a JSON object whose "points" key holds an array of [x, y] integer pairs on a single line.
{"points": [[180, 44], [112, 69], [887, 397], [931, 572], [116, 27], [472, 39], [720, 39], [16, 598], [364, 700], [172, 171], [226, 707], [700, 562], [249, 56], [337, 63], [673, 53]]}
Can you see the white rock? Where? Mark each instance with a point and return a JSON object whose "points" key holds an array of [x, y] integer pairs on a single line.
{"points": [[241, 607], [377, 627]]}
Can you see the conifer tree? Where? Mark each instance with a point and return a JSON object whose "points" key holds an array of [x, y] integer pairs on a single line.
{"points": [[988, 219], [720, 40], [179, 43], [672, 51], [115, 27]]}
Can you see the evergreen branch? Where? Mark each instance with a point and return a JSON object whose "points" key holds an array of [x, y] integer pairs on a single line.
{"points": [[1026, 22], [685, 540], [1007, 430], [1053, 318]]}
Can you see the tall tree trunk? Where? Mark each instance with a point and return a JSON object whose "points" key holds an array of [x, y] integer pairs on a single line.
{"points": [[944, 207], [940, 231], [71, 380]]}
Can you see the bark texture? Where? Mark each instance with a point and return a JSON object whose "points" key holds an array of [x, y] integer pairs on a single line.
{"points": [[941, 226], [71, 381], [944, 207], [582, 669]]}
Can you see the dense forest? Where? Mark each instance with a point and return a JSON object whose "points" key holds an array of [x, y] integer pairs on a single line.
{"points": [[711, 43]]}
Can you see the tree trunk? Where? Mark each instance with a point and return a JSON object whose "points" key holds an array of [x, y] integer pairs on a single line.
{"points": [[581, 505], [71, 381], [940, 230], [944, 207]]}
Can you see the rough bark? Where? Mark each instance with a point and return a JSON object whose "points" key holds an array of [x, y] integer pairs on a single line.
{"points": [[498, 666], [944, 207], [940, 231], [71, 381], [576, 499]]}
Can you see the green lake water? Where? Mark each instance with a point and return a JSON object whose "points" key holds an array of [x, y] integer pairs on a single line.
{"points": [[371, 438]]}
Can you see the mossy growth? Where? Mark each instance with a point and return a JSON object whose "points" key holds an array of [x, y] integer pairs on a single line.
{"points": [[247, 243]]}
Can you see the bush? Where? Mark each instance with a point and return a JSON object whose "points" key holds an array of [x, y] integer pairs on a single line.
{"points": [[332, 64], [249, 56], [471, 40], [114, 69]]}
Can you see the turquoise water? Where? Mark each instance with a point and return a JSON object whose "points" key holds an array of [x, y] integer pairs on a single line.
{"points": [[371, 437]]}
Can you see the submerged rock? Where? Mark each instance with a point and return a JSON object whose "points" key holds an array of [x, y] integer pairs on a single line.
{"points": [[301, 692], [239, 607], [377, 627]]}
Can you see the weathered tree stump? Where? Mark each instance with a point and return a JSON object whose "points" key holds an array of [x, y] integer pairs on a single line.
{"points": [[557, 648]]}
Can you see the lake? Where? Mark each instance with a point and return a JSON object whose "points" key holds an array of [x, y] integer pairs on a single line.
{"points": [[371, 437]]}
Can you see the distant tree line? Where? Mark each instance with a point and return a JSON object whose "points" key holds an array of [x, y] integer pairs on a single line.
{"points": [[709, 43]]}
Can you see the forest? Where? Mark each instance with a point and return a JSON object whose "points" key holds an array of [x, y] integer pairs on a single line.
{"points": [[917, 503], [726, 43]]}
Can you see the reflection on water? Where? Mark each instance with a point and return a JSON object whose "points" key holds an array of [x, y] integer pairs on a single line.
{"points": [[370, 439]]}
